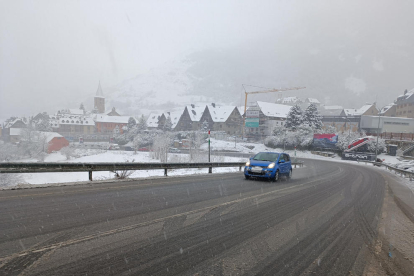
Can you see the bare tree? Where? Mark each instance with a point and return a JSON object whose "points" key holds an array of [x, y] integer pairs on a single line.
{"points": [[122, 174], [161, 147], [196, 140], [68, 152], [34, 143]]}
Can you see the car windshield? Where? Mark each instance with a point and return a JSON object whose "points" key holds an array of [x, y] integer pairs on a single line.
{"points": [[266, 156]]}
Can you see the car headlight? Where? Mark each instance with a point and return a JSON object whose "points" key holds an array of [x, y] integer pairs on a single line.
{"points": [[247, 163], [271, 166]]}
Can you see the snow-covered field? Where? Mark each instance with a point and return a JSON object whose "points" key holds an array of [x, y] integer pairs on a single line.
{"points": [[118, 156], [239, 146]]}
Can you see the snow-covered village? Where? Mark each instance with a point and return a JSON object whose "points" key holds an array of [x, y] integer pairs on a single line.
{"points": [[105, 134], [206, 138]]}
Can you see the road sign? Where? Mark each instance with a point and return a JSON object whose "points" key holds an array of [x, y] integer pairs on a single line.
{"points": [[252, 122], [252, 113]]}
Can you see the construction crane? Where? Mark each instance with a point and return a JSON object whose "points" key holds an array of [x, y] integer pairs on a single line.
{"points": [[259, 92]]}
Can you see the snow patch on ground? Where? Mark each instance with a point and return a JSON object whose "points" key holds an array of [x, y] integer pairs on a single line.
{"points": [[118, 156], [236, 146]]}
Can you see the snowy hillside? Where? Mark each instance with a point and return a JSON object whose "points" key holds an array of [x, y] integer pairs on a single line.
{"points": [[333, 73], [165, 88]]}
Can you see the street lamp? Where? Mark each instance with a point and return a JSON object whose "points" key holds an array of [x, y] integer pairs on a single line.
{"points": [[376, 145]]}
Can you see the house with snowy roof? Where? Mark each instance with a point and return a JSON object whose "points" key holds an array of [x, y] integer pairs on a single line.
{"points": [[389, 110], [405, 104], [158, 120], [152, 120], [53, 140], [190, 118], [265, 117], [11, 124], [67, 124], [367, 109], [330, 110], [222, 118], [313, 101], [349, 119], [110, 124], [16, 123]]}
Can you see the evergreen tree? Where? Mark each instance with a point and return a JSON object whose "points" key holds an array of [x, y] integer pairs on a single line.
{"points": [[131, 123], [294, 118], [41, 123], [142, 124], [312, 118], [82, 107], [168, 124]]}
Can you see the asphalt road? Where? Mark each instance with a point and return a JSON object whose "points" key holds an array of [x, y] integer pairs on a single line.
{"points": [[320, 222]]}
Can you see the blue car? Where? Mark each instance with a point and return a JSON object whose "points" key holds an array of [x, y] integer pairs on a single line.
{"points": [[270, 165]]}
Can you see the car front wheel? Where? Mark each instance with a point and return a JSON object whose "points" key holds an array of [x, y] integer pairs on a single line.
{"points": [[276, 178]]}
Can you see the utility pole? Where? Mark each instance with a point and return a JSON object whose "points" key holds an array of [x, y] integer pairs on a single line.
{"points": [[209, 152], [376, 145], [259, 92]]}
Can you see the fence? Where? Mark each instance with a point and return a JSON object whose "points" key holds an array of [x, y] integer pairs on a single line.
{"points": [[404, 173], [394, 136], [91, 167]]}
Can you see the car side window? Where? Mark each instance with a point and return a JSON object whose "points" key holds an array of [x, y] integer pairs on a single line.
{"points": [[287, 158], [282, 157]]}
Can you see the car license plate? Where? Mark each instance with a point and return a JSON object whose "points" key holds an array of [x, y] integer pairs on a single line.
{"points": [[257, 169]]}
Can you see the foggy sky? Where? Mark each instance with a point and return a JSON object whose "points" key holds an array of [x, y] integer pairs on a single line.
{"points": [[52, 52]]}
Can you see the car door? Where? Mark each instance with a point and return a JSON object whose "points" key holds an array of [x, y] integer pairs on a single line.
{"points": [[282, 166], [288, 163]]}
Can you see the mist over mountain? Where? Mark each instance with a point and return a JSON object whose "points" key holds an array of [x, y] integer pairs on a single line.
{"points": [[347, 69], [345, 52]]}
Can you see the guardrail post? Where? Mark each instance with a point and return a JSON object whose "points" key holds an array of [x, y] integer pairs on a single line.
{"points": [[90, 175], [165, 172], [210, 169], [240, 169]]}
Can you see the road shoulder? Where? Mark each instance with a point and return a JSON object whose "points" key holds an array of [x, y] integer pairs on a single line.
{"points": [[392, 253]]}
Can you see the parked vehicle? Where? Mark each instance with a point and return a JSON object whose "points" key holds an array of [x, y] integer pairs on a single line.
{"points": [[114, 147], [128, 148], [174, 150], [270, 165], [144, 149]]}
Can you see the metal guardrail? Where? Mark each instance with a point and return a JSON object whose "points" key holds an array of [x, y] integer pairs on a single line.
{"points": [[132, 166], [404, 173]]}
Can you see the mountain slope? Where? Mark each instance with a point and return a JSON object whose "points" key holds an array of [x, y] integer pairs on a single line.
{"points": [[345, 69]]}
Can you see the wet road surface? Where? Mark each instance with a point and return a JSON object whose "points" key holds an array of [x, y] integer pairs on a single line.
{"points": [[320, 222]]}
